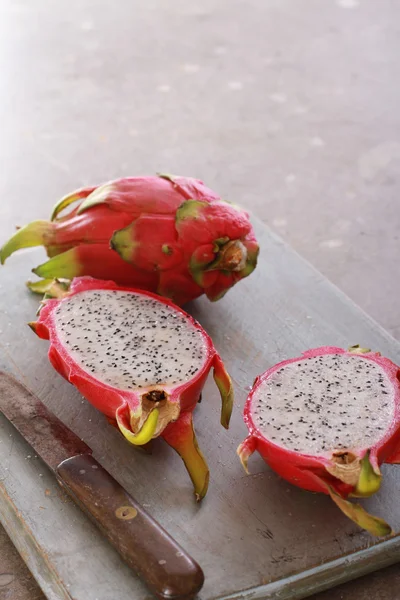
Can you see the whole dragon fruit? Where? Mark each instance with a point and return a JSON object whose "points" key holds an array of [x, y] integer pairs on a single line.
{"points": [[169, 235], [139, 359], [326, 421]]}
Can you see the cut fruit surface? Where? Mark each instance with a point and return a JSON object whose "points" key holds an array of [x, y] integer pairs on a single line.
{"points": [[139, 359], [324, 404], [326, 421], [130, 340]]}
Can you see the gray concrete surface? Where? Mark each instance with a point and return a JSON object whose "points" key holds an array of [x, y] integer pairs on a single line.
{"points": [[289, 107]]}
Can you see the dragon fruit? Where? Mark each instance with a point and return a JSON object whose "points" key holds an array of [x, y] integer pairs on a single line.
{"points": [[325, 422], [139, 359], [169, 235]]}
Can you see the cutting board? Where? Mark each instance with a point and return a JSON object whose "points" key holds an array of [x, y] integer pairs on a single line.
{"points": [[256, 537]]}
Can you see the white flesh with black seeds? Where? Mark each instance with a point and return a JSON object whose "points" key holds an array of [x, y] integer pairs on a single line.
{"points": [[331, 402], [129, 341]]}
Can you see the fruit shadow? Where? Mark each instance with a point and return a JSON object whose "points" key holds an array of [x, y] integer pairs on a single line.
{"points": [[307, 515]]}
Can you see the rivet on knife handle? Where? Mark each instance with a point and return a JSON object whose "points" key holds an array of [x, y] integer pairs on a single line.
{"points": [[147, 548]]}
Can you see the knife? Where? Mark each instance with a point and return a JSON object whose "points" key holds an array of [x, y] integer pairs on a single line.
{"points": [[166, 568]]}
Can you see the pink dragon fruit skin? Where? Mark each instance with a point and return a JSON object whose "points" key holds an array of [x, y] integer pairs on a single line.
{"points": [[352, 470], [140, 411], [169, 235]]}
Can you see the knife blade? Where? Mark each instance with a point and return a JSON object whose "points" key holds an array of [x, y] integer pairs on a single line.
{"points": [[164, 566]]}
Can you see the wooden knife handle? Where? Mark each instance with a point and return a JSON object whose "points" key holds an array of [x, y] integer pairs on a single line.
{"points": [[145, 546]]}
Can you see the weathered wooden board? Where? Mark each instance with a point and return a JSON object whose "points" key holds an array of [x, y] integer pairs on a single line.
{"points": [[255, 536]]}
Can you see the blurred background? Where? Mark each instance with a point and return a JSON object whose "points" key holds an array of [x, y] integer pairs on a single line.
{"points": [[288, 107]]}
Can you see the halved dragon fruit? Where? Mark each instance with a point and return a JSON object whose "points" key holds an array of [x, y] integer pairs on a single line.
{"points": [[169, 235], [326, 421], [139, 359]]}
